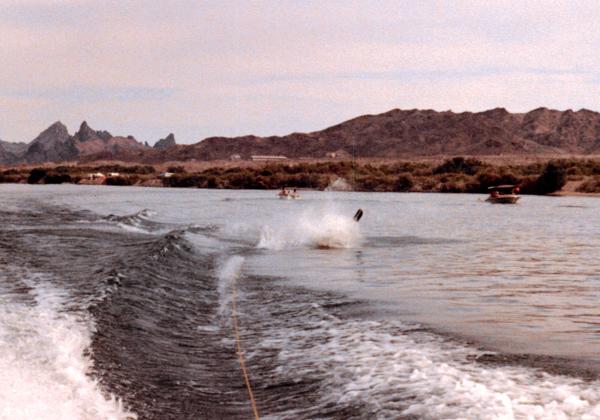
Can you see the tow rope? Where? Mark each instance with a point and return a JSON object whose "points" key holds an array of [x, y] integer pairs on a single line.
{"points": [[234, 319]]}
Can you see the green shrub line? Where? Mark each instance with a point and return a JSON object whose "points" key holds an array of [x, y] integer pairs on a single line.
{"points": [[455, 175]]}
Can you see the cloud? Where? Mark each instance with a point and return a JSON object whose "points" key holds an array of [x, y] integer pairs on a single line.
{"points": [[272, 67]]}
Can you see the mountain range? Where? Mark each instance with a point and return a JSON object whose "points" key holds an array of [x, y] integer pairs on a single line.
{"points": [[55, 144], [393, 134]]}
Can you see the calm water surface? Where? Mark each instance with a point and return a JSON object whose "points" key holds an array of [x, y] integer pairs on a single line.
{"points": [[381, 319]]}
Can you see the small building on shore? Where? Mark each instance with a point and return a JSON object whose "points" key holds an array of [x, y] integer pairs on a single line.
{"points": [[268, 158]]}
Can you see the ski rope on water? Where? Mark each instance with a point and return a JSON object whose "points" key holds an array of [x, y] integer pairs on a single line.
{"points": [[240, 353]]}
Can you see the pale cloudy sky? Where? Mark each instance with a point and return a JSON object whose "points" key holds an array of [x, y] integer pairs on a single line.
{"points": [[204, 68]]}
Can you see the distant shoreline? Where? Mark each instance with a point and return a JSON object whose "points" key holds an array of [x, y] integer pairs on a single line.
{"points": [[565, 177]]}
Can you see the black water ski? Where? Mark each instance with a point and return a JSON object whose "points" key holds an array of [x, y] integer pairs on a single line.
{"points": [[358, 215]]}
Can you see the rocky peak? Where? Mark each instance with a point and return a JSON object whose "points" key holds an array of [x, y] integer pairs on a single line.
{"points": [[53, 144], [57, 129], [165, 143], [104, 135], [86, 133], [56, 133]]}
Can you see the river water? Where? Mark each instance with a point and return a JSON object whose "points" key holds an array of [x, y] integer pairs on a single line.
{"points": [[117, 302]]}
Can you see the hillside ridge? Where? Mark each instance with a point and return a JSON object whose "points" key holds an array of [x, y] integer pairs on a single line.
{"points": [[396, 133]]}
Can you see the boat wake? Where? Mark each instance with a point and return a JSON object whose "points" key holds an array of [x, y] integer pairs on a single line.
{"points": [[45, 367], [139, 222]]}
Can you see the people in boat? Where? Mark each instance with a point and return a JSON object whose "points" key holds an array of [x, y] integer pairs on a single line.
{"points": [[504, 194], [283, 193]]}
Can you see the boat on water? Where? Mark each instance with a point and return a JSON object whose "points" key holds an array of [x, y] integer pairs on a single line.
{"points": [[503, 194], [286, 194]]}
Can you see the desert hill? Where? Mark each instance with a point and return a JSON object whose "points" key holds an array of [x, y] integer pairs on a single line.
{"points": [[11, 152], [414, 133]]}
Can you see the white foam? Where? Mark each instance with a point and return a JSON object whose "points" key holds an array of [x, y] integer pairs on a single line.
{"points": [[146, 214], [227, 274], [44, 369], [134, 227], [315, 228], [393, 374], [340, 184]]}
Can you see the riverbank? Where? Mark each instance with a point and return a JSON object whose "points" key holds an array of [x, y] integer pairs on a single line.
{"points": [[453, 175]]}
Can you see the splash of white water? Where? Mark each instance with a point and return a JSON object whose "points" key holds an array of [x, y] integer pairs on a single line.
{"points": [[315, 228]]}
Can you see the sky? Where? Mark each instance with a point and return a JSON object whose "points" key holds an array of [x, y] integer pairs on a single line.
{"points": [[226, 68]]}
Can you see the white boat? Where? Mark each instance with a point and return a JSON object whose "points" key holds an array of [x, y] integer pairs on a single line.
{"points": [[503, 194], [284, 194]]}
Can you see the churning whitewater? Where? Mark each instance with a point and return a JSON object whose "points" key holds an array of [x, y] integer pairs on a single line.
{"points": [[117, 303]]}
